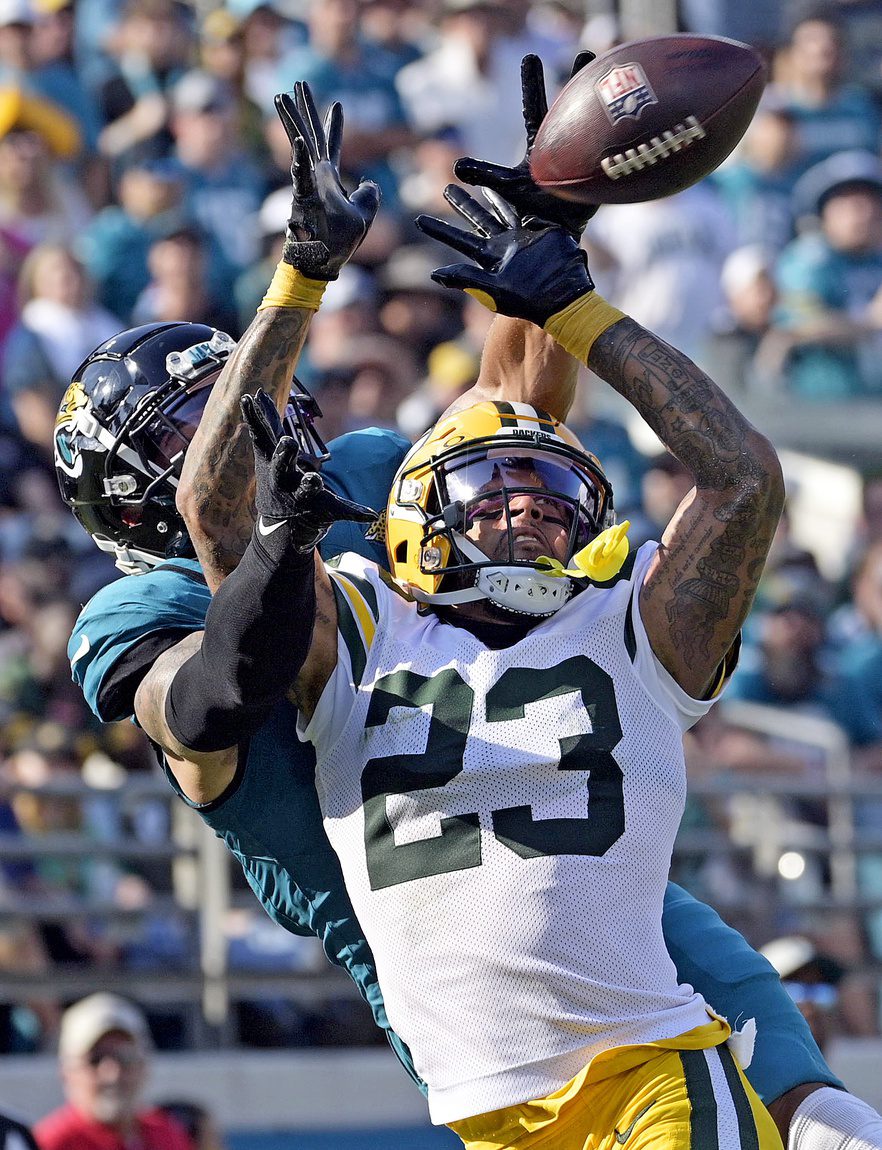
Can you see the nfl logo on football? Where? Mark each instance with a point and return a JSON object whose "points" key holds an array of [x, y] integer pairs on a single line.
{"points": [[625, 91]]}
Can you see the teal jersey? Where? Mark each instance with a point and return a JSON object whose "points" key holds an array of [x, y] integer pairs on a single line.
{"points": [[270, 818]]}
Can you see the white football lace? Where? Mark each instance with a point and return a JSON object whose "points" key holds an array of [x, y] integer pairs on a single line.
{"points": [[658, 148]]}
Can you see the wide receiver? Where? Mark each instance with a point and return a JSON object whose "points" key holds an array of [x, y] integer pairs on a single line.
{"points": [[178, 603]]}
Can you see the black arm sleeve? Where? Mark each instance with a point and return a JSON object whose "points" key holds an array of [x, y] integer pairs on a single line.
{"points": [[258, 630]]}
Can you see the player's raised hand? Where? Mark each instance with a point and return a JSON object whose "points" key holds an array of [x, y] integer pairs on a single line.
{"points": [[516, 184], [326, 225], [287, 490], [527, 271]]}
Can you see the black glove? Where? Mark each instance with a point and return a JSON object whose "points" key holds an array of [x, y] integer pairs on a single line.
{"points": [[286, 491], [516, 184], [530, 272], [327, 225]]}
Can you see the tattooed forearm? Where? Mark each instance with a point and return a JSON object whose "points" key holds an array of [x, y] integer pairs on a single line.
{"points": [[216, 489], [688, 412], [719, 587], [705, 575]]}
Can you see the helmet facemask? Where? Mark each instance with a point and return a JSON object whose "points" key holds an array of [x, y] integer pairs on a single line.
{"points": [[120, 442], [497, 508]]}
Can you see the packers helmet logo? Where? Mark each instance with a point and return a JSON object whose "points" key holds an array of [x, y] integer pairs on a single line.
{"points": [[67, 455]]}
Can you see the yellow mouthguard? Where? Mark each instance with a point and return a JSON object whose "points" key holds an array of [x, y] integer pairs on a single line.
{"points": [[602, 558]]}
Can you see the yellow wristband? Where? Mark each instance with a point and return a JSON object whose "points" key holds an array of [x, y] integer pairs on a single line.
{"points": [[579, 324], [291, 288]]}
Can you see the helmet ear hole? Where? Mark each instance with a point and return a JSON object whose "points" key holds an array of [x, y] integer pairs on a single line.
{"points": [[401, 552]]}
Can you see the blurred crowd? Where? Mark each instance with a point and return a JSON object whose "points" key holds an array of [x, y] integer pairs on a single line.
{"points": [[144, 175]]}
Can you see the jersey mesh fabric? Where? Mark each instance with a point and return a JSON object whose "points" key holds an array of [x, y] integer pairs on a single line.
{"points": [[508, 962]]}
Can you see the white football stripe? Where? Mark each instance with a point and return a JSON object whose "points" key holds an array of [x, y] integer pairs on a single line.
{"points": [[727, 1118]]}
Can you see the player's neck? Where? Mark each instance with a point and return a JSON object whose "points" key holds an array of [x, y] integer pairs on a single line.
{"points": [[490, 626]]}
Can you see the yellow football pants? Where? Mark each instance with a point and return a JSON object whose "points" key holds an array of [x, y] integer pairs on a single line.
{"points": [[651, 1097]]}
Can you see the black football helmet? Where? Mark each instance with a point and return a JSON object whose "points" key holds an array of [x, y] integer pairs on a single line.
{"points": [[124, 426]]}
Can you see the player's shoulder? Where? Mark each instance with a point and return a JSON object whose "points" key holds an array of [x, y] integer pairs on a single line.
{"points": [[366, 599], [363, 463], [171, 597], [172, 594]]}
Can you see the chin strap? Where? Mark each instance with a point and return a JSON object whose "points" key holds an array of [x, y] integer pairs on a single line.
{"points": [[539, 590]]}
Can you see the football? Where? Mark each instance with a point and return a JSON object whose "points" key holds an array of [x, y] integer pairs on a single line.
{"points": [[647, 119]]}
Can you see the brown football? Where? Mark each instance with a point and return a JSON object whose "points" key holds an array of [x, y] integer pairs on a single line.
{"points": [[647, 119]]}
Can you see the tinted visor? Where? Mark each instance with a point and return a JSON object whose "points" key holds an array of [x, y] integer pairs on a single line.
{"points": [[166, 436], [484, 483]]}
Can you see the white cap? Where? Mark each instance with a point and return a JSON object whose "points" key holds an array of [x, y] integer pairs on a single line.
{"points": [[87, 1021], [15, 12], [742, 267], [789, 954], [274, 212]]}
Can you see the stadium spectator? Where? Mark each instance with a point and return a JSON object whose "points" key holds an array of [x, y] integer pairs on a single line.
{"points": [[661, 262], [180, 284], [830, 282], [463, 83], [222, 54], [337, 65], [757, 183], [223, 188], [115, 245], [38, 199], [59, 87], [394, 32], [151, 47], [104, 1051], [746, 354], [58, 327], [269, 33], [413, 308], [814, 79]]}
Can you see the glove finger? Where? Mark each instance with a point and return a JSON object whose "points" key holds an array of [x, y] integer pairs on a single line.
{"points": [[293, 121], [456, 238], [470, 209], [534, 97], [501, 208], [310, 114], [334, 132], [366, 198], [302, 171], [284, 472], [336, 507], [580, 61], [261, 434], [485, 174], [287, 113]]}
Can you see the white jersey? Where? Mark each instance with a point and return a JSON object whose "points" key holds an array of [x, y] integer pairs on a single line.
{"points": [[505, 820]]}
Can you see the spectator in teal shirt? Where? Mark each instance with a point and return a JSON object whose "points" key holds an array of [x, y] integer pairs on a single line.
{"points": [[830, 282]]}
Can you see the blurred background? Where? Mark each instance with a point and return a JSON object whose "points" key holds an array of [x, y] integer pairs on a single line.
{"points": [[132, 132]]}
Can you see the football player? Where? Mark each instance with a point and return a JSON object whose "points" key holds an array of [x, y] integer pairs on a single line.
{"points": [[123, 629]]}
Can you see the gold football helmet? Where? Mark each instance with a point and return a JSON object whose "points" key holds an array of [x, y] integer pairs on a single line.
{"points": [[467, 467]]}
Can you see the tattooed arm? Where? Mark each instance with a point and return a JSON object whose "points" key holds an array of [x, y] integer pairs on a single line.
{"points": [[204, 776], [326, 227], [216, 489], [701, 585], [704, 577]]}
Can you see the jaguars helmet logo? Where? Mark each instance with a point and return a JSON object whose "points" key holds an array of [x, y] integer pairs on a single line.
{"points": [[67, 455]]}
